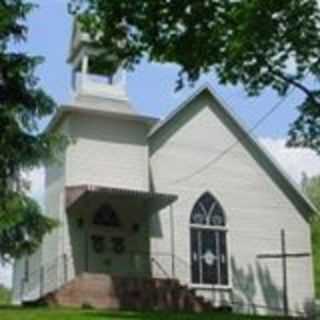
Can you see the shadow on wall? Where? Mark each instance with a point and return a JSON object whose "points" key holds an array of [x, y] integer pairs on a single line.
{"points": [[246, 283], [272, 295]]}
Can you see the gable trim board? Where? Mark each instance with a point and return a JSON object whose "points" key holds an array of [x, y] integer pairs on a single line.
{"points": [[248, 140]]}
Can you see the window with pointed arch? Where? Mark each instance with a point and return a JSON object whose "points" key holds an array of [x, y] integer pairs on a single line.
{"points": [[106, 216], [209, 259]]}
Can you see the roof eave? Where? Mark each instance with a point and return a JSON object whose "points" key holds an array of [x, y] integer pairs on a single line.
{"points": [[75, 193], [68, 109]]}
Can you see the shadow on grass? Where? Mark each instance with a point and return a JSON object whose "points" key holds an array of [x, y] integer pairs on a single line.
{"points": [[162, 315], [158, 315], [80, 314]]}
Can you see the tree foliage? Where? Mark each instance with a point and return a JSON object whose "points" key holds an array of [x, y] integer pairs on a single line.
{"points": [[23, 146], [311, 187], [258, 44]]}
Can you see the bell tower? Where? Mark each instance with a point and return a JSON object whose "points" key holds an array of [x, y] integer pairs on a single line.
{"points": [[91, 88]]}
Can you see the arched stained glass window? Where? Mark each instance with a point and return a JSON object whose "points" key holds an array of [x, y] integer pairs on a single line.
{"points": [[106, 216], [209, 261], [207, 211]]}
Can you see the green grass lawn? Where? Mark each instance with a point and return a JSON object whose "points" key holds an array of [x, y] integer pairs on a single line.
{"points": [[316, 255], [17, 313], [5, 296]]}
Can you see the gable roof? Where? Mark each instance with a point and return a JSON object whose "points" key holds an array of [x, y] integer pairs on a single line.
{"points": [[278, 175]]}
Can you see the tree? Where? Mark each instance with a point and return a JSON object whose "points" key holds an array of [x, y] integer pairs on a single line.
{"points": [[258, 44], [23, 146], [311, 187]]}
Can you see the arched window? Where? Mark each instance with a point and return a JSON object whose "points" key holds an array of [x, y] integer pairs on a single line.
{"points": [[106, 216], [207, 211], [209, 262]]}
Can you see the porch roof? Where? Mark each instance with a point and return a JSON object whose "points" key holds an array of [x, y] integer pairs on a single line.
{"points": [[159, 201]]}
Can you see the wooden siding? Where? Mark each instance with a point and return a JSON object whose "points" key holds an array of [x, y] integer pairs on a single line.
{"points": [[107, 152], [255, 206]]}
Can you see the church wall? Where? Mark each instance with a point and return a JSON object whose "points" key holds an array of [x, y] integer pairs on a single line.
{"points": [[256, 209], [53, 244], [18, 268], [28, 288], [104, 152], [107, 152], [51, 249]]}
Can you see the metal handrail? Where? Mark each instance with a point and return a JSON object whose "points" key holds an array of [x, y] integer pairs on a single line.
{"points": [[42, 277], [38, 279], [158, 264], [47, 279]]}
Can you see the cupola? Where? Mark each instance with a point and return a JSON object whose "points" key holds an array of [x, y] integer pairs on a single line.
{"points": [[93, 89]]}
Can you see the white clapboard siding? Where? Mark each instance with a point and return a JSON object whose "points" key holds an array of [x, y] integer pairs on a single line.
{"points": [[256, 208], [107, 152]]}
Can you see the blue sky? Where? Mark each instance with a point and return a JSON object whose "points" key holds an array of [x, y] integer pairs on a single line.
{"points": [[150, 86]]}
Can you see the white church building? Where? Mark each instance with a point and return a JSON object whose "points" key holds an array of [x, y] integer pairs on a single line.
{"points": [[188, 212]]}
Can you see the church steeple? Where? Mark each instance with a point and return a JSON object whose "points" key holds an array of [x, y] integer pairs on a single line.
{"points": [[90, 85]]}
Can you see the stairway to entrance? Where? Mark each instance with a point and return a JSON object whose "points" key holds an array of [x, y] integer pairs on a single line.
{"points": [[103, 291]]}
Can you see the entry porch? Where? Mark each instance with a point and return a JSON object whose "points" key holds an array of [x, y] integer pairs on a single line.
{"points": [[108, 232]]}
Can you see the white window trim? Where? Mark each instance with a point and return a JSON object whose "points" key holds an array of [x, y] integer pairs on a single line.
{"points": [[202, 226], [226, 287], [224, 228]]}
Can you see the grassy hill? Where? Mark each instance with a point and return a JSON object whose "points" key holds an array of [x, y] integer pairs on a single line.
{"points": [[316, 255], [54, 314], [5, 296]]}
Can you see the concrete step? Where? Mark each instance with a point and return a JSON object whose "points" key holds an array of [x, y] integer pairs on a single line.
{"points": [[112, 292]]}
